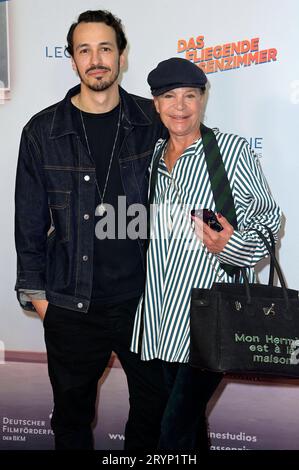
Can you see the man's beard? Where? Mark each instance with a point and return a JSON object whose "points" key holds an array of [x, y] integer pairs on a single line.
{"points": [[101, 83]]}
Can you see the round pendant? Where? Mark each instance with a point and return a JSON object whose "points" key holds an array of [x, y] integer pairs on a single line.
{"points": [[101, 210]]}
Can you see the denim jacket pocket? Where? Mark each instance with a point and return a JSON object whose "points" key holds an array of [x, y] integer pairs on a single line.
{"points": [[59, 205]]}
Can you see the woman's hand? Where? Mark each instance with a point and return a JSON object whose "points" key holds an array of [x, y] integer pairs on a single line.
{"points": [[214, 241]]}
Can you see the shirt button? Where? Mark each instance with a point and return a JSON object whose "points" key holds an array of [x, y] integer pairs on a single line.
{"points": [[85, 258], [80, 305], [86, 177], [86, 216]]}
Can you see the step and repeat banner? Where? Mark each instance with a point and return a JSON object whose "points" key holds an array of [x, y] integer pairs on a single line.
{"points": [[249, 52]]}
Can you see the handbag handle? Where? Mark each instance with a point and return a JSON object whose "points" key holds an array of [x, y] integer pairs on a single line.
{"points": [[275, 265], [271, 272]]}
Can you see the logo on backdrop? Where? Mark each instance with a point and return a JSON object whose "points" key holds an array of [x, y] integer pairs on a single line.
{"points": [[231, 440], [228, 56], [56, 52], [20, 429], [256, 143]]}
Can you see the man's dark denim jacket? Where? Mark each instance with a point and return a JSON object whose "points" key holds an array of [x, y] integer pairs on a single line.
{"points": [[55, 187]]}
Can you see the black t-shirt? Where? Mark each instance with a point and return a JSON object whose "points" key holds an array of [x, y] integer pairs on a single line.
{"points": [[117, 267]]}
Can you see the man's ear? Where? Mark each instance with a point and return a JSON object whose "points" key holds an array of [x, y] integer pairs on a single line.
{"points": [[122, 60], [74, 66]]}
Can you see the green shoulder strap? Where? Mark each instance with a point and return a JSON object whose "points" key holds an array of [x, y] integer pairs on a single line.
{"points": [[221, 189]]}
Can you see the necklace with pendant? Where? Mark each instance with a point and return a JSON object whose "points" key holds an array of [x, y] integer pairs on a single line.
{"points": [[101, 208]]}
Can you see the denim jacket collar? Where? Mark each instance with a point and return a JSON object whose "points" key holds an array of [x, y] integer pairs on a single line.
{"points": [[63, 124]]}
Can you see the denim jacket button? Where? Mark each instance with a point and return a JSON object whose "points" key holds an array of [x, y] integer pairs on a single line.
{"points": [[86, 177], [86, 216], [80, 305], [85, 258]]}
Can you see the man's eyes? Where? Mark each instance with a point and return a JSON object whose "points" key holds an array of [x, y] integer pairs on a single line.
{"points": [[102, 49]]}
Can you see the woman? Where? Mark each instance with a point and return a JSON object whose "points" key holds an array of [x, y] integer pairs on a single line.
{"points": [[179, 259]]}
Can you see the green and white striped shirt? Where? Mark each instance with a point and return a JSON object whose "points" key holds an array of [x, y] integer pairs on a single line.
{"points": [[177, 260]]}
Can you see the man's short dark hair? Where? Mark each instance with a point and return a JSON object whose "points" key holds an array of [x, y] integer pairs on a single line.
{"points": [[99, 16]]}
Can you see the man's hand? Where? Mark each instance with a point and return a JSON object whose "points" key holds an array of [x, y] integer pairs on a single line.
{"points": [[214, 241], [40, 307]]}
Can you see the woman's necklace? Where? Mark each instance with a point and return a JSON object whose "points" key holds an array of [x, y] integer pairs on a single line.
{"points": [[101, 208]]}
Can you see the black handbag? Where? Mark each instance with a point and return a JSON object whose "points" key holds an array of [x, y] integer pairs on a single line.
{"points": [[246, 328]]}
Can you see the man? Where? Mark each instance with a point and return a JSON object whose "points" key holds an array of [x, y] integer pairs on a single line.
{"points": [[179, 259], [76, 159]]}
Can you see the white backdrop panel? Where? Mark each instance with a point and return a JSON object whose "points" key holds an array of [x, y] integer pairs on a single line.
{"points": [[259, 102]]}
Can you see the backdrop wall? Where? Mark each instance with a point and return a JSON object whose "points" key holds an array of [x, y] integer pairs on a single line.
{"points": [[254, 93]]}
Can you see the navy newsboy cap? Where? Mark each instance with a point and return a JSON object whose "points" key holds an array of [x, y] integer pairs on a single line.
{"points": [[175, 73]]}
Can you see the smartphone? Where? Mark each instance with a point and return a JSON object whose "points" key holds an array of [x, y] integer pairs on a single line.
{"points": [[209, 217]]}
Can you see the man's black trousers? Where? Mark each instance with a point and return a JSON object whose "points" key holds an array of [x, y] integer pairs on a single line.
{"points": [[79, 346]]}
